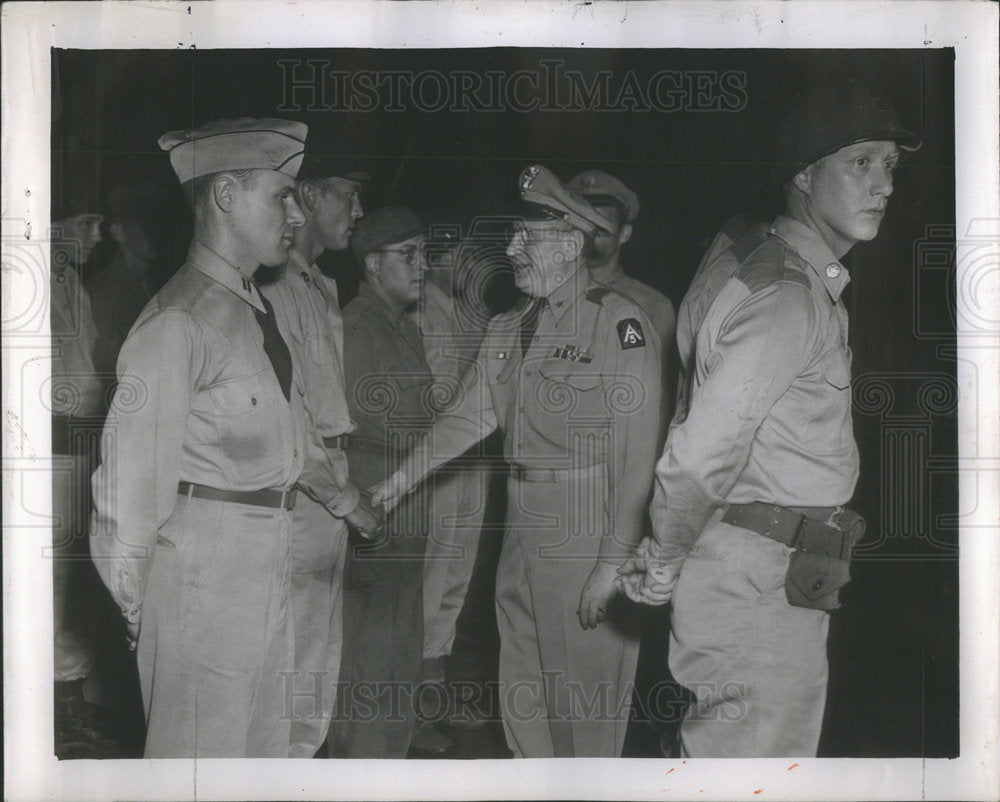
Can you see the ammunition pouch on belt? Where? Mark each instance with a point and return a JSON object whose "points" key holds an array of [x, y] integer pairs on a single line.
{"points": [[823, 539]]}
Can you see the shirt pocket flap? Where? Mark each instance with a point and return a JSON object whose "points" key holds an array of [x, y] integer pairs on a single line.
{"points": [[236, 396], [836, 370], [579, 379]]}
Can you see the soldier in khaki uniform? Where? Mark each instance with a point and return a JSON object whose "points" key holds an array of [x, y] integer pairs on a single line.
{"points": [[204, 441], [620, 205], [573, 380], [751, 537], [306, 303], [727, 250]]}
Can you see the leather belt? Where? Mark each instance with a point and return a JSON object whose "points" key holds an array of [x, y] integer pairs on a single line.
{"points": [[358, 442], [797, 527], [554, 475], [276, 499], [340, 441]]}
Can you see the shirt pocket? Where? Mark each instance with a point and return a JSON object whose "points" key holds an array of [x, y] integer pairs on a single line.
{"points": [[573, 390], [319, 349], [836, 370], [243, 395], [828, 427]]}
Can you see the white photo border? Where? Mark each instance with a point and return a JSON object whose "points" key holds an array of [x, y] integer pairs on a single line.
{"points": [[29, 31]]}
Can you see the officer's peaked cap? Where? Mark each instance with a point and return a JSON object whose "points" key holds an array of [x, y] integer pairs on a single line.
{"points": [[545, 198], [603, 189]]}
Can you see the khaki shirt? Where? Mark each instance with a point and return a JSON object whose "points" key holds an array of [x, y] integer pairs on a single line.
{"points": [[308, 311], [655, 304], [451, 333], [586, 392], [660, 312], [76, 388], [770, 413], [734, 243], [197, 401]]}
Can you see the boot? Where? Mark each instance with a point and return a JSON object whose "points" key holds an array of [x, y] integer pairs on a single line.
{"points": [[79, 731]]}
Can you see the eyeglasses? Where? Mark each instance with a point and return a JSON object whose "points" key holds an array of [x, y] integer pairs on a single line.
{"points": [[409, 254], [529, 235]]}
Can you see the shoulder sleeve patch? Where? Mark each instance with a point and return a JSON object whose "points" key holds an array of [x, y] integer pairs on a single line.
{"points": [[596, 295], [630, 334]]}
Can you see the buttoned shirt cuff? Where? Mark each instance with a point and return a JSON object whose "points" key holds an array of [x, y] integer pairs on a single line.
{"points": [[662, 562], [345, 502]]}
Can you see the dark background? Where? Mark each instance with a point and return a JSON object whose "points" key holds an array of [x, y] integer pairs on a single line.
{"points": [[894, 644]]}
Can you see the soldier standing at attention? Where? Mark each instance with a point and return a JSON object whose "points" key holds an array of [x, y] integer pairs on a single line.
{"points": [[194, 495], [751, 539], [573, 380], [305, 302]]}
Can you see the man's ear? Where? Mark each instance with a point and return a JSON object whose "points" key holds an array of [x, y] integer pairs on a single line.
{"points": [[117, 231], [802, 181], [625, 234], [307, 193], [222, 191], [371, 264]]}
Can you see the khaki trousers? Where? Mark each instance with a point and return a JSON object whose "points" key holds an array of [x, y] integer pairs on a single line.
{"points": [[565, 691], [215, 647], [756, 664], [319, 543], [457, 506]]}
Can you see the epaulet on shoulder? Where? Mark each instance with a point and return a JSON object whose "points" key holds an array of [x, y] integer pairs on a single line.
{"points": [[614, 301], [769, 264], [597, 294]]}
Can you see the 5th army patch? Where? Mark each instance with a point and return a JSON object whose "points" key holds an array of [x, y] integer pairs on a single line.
{"points": [[630, 333]]}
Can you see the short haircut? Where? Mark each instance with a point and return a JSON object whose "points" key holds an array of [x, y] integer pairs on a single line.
{"points": [[322, 183], [198, 190]]}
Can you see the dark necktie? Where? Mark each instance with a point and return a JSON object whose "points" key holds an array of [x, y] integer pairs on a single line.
{"points": [[529, 323], [275, 347]]}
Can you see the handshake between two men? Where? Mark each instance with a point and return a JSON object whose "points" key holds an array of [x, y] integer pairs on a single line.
{"points": [[646, 576]]}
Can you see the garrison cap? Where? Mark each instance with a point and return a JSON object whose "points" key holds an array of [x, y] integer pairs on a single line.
{"points": [[823, 119], [385, 226], [545, 198], [243, 144], [603, 189]]}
